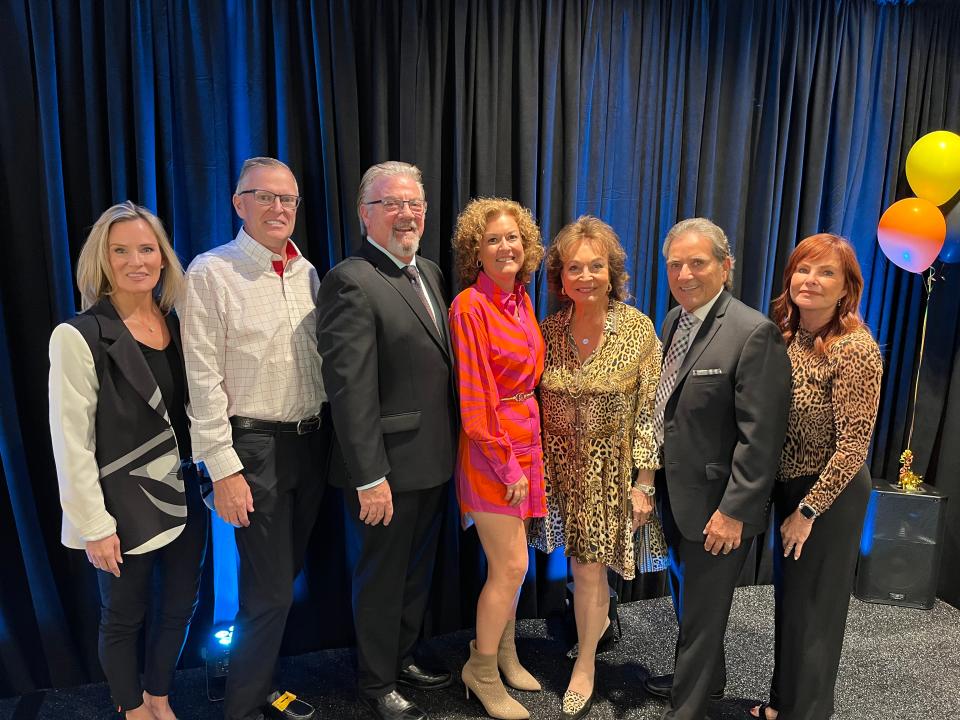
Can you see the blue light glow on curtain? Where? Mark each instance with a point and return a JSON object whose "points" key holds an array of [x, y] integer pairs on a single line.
{"points": [[775, 119]]}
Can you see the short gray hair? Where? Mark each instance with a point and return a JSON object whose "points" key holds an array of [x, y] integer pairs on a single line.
{"points": [[251, 164], [386, 169], [719, 244]]}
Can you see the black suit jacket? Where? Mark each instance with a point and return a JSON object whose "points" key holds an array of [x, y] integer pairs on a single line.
{"points": [[725, 421], [388, 374]]}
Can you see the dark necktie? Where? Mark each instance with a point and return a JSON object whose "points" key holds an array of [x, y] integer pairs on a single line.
{"points": [[411, 272], [671, 367]]}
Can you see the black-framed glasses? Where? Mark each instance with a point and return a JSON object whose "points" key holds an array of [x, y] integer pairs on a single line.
{"points": [[395, 205], [265, 197]]}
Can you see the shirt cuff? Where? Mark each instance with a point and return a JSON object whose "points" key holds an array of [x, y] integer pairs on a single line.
{"points": [[101, 527], [368, 486], [221, 464]]}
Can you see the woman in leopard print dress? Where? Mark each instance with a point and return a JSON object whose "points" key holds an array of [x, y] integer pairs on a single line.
{"points": [[823, 489], [597, 395]]}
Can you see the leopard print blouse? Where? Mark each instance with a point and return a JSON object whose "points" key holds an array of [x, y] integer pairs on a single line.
{"points": [[597, 428], [834, 407]]}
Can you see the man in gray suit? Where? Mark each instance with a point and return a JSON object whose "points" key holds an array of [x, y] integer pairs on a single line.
{"points": [[721, 417]]}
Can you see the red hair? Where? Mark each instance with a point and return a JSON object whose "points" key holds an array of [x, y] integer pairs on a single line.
{"points": [[847, 318]]}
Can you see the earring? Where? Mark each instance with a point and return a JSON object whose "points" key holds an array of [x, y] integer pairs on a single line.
{"points": [[609, 288], [562, 293], [479, 264]]}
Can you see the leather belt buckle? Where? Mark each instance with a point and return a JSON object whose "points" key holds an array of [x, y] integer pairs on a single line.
{"points": [[243, 423], [519, 397], [308, 425]]}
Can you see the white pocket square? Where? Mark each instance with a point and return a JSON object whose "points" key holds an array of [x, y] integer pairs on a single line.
{"points": [[707, 371]]}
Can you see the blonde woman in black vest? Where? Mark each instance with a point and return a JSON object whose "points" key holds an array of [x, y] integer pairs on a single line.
{"points": [[119, 429]]}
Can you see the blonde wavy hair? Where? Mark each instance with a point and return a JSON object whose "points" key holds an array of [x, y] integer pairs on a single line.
{"points": [[471, 226], [94, 276]]}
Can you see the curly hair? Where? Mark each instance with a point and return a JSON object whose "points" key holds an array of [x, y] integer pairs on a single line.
{"points": [[472, 224], [599, 235], [847, 318]]}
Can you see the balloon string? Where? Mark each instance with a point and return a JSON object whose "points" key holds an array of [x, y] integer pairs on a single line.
{"points": [[928, 286]]}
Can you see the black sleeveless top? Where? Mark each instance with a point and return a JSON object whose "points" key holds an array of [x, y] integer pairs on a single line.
{"points": [[167, 368]]}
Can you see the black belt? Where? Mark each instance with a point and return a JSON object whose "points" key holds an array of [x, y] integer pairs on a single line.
{"points": [[300, 427]]}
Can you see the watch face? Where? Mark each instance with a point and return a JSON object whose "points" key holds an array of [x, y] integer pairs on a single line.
{"points": [[808, 512]]}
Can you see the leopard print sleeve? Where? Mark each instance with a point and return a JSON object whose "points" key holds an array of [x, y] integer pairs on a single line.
{"points": [[645, 450], [856, 368]]}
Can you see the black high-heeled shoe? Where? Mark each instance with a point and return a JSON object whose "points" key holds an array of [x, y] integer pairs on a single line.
{"points": [[762, 710], [607, 641]]}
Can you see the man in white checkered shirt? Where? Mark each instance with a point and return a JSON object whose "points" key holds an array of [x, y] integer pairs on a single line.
{"points": [[258, 413]]}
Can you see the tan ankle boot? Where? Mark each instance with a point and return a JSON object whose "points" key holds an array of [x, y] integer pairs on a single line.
{"points": [[480, 675], [515, 673]]}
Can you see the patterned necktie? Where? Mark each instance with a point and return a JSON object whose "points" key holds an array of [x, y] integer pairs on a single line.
{"points": [[411, 272], [671, 367]]}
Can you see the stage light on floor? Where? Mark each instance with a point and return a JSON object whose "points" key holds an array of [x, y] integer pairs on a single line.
{"points": [[216, 660]]}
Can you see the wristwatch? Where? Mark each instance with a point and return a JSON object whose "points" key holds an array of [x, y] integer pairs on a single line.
{"points": [[648, 490], [808, 512]]}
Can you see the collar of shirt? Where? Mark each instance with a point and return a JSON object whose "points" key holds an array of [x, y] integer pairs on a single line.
{"points": [[264, 257], [508, 301], [701, 312], [291, 252], [399, 263]]}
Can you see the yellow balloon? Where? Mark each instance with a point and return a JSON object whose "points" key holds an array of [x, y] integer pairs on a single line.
{"points": [[933, 166]]}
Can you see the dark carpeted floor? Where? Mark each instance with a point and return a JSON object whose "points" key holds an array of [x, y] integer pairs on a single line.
{"points": [[897, 663]]}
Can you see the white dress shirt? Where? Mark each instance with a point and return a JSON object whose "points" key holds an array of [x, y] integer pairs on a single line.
{"points": [[249, 344], [701, 312]]}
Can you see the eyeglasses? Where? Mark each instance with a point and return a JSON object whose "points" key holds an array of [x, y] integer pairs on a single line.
{"points": [[265, 197], [395, 205]]}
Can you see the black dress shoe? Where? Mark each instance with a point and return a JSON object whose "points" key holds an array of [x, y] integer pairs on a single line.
{"points": [[393, 706], [416, 677], [661, 685]]}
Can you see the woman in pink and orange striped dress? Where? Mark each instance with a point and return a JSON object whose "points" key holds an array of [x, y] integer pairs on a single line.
{"points": [[499, 358]]}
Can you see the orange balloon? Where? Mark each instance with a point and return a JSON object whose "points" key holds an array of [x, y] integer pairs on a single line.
{"points": [[911, 233]]}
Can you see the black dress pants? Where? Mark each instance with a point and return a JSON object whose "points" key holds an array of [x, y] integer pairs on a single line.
{"points": [[391, 583], [702, 586], [165, 583], [287, 477], [812, 598]]}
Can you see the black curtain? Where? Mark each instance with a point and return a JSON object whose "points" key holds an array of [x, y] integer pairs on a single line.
{"points": [[777, 120]]}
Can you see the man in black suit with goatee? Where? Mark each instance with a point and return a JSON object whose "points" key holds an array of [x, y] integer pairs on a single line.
{"points": [[387, 369]]}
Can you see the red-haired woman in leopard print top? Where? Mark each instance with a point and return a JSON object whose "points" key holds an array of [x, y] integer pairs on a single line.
{"points": [[823, 489]]}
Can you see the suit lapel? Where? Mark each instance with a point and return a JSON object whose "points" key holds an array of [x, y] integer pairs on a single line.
{"points": [[394, 276], [670, 323], [708, 329], [126, 355]]}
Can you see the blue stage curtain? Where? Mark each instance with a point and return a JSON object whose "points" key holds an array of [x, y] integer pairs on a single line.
{"points": [[775, 119]]}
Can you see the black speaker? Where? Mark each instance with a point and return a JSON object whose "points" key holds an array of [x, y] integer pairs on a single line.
{"points": [[900, 546]]}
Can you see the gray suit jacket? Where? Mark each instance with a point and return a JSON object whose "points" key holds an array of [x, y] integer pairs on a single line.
{"points": [[725, 422]]}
